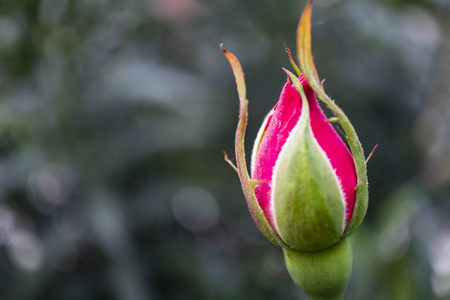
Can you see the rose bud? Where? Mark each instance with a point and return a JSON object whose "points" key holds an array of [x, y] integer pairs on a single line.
{"points": [[307, 189], [306, 175], [307, 192]]}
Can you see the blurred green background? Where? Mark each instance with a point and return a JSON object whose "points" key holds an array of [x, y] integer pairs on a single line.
{"points": [[114, 115]]}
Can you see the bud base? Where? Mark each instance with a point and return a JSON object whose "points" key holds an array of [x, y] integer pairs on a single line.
{"points": [[322, 275]]}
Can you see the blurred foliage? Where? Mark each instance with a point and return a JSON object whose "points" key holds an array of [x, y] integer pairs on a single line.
{"points": [[113, 116]]}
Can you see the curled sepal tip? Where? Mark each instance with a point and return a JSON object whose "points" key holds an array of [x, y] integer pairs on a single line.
{"points": [[247, 184]]}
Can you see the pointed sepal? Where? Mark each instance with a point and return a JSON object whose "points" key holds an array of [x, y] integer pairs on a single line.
{"points": [[308, 69], [247, 185]]}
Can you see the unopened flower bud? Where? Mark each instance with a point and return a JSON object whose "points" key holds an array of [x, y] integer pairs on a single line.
{"points": [[306, 176]]}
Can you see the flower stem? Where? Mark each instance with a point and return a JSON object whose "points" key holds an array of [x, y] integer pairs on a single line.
{"points": [[322, 275]]}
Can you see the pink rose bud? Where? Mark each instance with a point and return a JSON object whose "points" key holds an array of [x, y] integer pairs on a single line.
{"points": [[306, 190], [306, 175]]}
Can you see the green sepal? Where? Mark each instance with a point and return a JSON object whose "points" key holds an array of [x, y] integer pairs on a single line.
{"points": [[309, 205], [247, 184], [322, 275], [310, 73]]}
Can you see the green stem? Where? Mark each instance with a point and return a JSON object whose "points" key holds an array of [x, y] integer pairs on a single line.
{"points": [[322, 275]]}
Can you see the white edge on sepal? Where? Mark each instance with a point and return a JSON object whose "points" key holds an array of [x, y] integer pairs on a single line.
{"points": [[257, 142], [338, 180]]}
